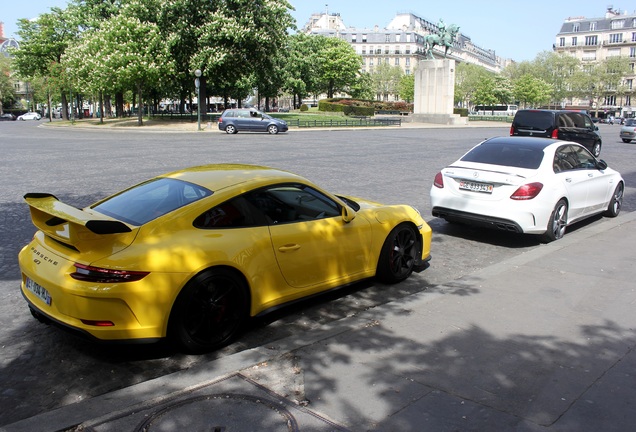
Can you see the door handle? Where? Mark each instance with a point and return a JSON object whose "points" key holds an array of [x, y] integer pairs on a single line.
{"points": [[569, 180], [289, 248]]}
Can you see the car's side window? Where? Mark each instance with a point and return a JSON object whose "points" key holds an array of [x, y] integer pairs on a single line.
{"points": [[292, 203], [584, 158], [235, 213], [568, 158], [564, 159]]}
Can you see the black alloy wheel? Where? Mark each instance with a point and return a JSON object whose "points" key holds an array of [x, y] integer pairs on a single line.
{"points": [[398, 254], [210, 311]]}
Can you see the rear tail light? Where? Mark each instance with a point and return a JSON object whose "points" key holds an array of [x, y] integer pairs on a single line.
{"points": [[439, 180], [96, 274], [555, 134], [527, 191], [512, 130]]}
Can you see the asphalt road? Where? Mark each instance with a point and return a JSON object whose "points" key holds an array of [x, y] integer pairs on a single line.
{"points": [[42, 368]]}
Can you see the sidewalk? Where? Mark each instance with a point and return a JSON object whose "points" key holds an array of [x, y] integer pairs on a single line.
{"points": [[541, 342]]}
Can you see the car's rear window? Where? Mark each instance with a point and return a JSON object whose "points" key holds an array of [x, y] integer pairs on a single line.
{"points": [[147, 201], [534, 120], [630, 122], [506, 154]]}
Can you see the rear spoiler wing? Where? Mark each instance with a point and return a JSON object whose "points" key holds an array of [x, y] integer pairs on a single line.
{"points": [[47, 211]]}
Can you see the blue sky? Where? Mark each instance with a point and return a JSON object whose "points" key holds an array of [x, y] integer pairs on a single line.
{"points": [[514, 29]]}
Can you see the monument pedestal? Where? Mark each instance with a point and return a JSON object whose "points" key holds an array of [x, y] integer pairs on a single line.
{"points": [[435, 93]]}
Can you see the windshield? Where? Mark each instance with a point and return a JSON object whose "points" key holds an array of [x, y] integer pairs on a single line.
{"points": [[147, 201]]}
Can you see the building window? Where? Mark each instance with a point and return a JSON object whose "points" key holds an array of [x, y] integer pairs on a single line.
{"points": [[632, 52], [616, 38], [591, 40], [408, 49], [574, 41], [576, 27], [408, 37], [589, 55], [397, 61], [364, 38], [408, 62], [407, 71], [364, 49], [593, 26], [610, 100], [631, 66], [633, 36], [386, 49], [614, 52], [630, 83], [562, 42], [353, 38], [397, 37], [378, 50], [387, 38], [371, 62], [387, 60], [397, 50], [618, 24]]}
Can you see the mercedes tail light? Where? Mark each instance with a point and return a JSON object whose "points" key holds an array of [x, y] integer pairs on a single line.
{"points": [[527, 191], [439, 180]]}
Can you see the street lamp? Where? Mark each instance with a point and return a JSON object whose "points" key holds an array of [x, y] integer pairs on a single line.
{"points": [[197, 84]]}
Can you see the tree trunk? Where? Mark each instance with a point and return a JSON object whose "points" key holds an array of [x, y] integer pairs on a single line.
{"points": [[140, 114]]}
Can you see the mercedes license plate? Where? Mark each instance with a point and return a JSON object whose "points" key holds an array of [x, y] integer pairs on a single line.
{"points": [[475, 186]]}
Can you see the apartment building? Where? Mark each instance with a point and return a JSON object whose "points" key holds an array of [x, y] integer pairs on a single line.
{"points": [[595, 39], [400, 43]]}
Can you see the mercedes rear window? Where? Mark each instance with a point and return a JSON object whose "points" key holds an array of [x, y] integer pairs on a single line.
{"points": [[506, 154], [150, 200]]}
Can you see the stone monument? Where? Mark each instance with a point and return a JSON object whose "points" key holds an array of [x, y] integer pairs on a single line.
{"points": [[435, 81]]}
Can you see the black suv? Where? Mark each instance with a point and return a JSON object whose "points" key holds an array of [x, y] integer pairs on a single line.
{"points": [[560, 124], [249, 120]]}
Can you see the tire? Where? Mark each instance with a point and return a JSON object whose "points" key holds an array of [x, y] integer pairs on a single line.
{"points": [[626, 140], [615, 204], [272, 129], [596, 150], [557, 223], [209, 311], [230, 129], [398, 254]]}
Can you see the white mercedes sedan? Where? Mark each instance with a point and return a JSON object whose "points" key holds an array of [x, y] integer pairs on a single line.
{"points": [[526, 185]]}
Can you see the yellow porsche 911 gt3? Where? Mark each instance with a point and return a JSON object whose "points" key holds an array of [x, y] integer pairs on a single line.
{"points": [[193, 254]]}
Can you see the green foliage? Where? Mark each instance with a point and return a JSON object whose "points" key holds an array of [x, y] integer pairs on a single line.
{"points": [[531, 91], [406, 87], [304, 108], [386, 80]]}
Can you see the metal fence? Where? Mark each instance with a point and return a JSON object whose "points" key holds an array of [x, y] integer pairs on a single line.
{"points": [[345, 122]]}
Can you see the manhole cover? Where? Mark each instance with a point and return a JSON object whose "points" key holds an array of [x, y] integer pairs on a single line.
{"points": [[225, 412]]}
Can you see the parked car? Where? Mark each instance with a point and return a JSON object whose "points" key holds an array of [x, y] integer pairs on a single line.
{"points": [[573, 126], [7, 117], [250, 120], [526, 185], [193, 254], [30, 116], [628, 130]]}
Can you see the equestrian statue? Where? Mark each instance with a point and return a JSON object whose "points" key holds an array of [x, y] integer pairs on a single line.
{"points": [[445, 37]]}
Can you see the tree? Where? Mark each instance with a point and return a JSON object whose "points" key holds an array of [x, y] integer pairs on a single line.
{"points": [[7, 94], [468, 77], [43, 42], [125, 52], [338, 65], [386, 79], [406, 88], [229, 41], [485, 92], [531, 91], [601, 80]]}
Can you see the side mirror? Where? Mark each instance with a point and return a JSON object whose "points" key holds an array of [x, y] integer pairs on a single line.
{"points": [[601, 165], [347, 214]]}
